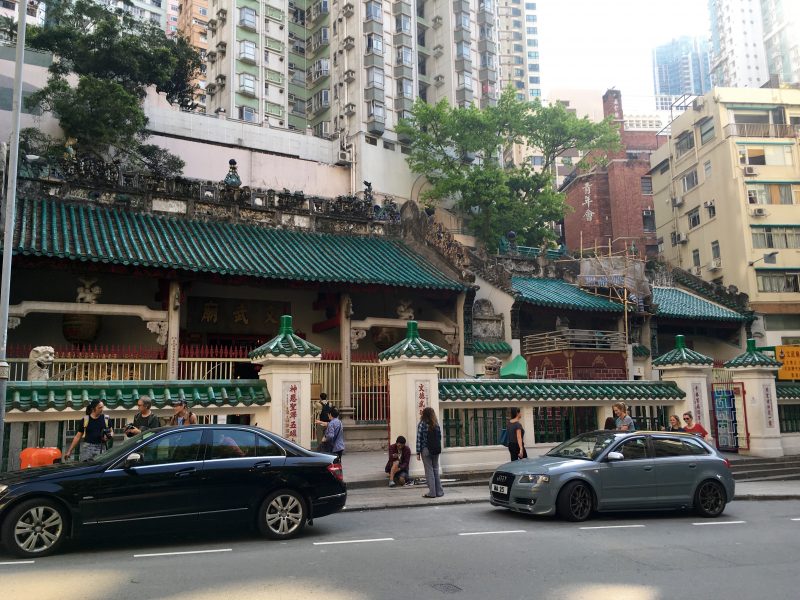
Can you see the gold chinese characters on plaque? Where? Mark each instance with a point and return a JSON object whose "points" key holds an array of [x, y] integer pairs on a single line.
{"points": [[790, 357]]}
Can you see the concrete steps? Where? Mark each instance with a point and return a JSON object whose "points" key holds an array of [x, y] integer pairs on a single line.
{"points": [[766, 469]]}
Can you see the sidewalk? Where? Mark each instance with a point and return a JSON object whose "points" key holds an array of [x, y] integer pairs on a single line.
{"points": [[367, 487]]}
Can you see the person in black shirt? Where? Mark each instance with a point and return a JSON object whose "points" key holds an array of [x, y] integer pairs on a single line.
{"points": [[93, 430], [516, 435], [324, 418], [145, 419]]}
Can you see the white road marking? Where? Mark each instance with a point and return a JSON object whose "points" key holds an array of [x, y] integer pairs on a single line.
{"points": [[720, 523], [18, 562], [493, 532], [798, 519], [354, 541], [612, 527], [182, 553]]}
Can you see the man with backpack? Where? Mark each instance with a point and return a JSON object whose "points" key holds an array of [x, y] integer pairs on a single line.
{"points": [[93, 430]]}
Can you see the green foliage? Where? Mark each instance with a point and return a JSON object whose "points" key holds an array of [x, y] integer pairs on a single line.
{"points": [[462, 153], [111, 59]]}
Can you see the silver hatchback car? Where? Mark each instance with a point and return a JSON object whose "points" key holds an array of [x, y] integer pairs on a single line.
{"points": [[614, 471]]}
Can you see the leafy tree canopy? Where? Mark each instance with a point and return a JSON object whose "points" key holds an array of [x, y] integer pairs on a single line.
{"points": [[104, 61], [461, 152]]}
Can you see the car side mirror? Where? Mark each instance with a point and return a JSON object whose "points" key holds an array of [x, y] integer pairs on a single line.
{"points": [[615, 456], [133, 459]]}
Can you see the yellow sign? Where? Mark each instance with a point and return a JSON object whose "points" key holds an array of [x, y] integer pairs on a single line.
{"points": [[790, 357]]}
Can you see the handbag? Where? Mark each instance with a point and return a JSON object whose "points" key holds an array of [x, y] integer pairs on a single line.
{"points": [[504, 437]]}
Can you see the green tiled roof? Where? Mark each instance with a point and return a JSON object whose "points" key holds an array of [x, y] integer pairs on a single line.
{"points": [[753, 358], [60, 395], [413, 346], [640, 351], [102, 234], [787, 390], [560, 294], [516, 369], [286, 343], [540, 391], [680, 304], [491, 348], [681, 355]]}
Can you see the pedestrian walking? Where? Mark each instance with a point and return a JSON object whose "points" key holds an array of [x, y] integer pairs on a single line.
{"points": [[429, 447], [333, 440], [624, 422], [323, 418], [93, 430], [692, 427], [516, 435], [145, 419], [182, 414], [674, 424]]}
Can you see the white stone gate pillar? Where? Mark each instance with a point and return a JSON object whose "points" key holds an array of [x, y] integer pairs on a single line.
{"points": [[286, 368], [413, 386]]}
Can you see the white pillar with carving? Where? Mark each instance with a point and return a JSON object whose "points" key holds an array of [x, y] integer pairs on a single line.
{"points": [[413, 386], [286, 368], [173, 328]]}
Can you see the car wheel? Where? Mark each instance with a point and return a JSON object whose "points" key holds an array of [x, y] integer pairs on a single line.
{"points": [[575, 501], [35, 528], [710, 499], [282, 515]]}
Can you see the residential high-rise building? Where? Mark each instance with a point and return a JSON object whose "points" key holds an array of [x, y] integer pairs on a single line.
{"points": [[192, 23], [681, 67], [154, 11], [726, 190], [518, 26], [737, 43], [781, 25]]}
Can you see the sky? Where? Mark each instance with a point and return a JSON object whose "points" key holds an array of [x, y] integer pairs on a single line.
{"points": [[600, 44]]}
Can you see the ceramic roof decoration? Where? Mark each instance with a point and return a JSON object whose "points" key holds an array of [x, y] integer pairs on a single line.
{"points": [[640, 351], [556, 293], [489, 348], [286, 343], [787, 390], [61, 395], [106, 234], [681, 355], [516, 369], [413, 346], [680, 304], [753, 358], [547, 391]]}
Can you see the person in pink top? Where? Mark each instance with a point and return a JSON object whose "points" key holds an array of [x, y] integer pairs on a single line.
{"points": [[692, 427]]}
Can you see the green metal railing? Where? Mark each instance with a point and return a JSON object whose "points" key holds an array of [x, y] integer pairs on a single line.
{"points": [[789, 418], [473, 426], [555, 424]]}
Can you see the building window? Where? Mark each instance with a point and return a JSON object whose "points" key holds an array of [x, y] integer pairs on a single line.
{"points": [[647, 185], [374, 43], [533, 55], [778, 156], [694, 218], [776, 193], [696, 258], [532, 30], [486, 32], [684, 143], [375, 77], [530, 18], [487, 60], [777, 281], [247, 84], [247, 50], [776, 237], [711, 208], [247, 17], [689, 180], [374, 12], [535, 93], [375, 110], [673, 238], [715, 252], [462, 50], [462, 20], [532, 43], [405, 88], [404, 55], [648, 221], [402, 24], [464, 80], [707, 169], [248, 114], [706, 131]]}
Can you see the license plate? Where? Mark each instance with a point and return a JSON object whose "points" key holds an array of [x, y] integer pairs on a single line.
{"points": [[500, 489]]}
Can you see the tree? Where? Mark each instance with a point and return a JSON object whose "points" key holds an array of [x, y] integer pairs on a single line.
{"points": [[461, 152], [104, 61]]}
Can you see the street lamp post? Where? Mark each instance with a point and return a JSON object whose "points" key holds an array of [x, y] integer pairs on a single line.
{"points": [[10, 207]]}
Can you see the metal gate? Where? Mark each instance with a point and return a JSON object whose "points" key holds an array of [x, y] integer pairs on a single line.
{"points": [[728, 412]]}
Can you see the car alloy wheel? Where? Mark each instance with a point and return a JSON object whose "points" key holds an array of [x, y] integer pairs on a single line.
{"points": [[282, 515], [575, 501], [34, 528], [710, 499]]}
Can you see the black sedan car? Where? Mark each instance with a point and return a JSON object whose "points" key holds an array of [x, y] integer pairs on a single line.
{"points": [[172, 478]]}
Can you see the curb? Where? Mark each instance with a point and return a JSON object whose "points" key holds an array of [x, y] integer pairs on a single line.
{"points": [[750, 497]]}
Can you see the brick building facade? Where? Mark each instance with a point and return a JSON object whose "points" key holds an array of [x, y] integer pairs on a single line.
{"points": [[613, 201]]}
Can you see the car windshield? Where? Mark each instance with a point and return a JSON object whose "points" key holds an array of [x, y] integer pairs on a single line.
{"points": [[121, 448], [587, 445]]}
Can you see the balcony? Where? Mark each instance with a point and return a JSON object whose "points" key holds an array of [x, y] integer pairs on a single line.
{"points": [[586, 354], [761, 130]]}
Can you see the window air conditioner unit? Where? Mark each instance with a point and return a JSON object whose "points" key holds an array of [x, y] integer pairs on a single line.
{"points": [[220, 79], [349, 75], [437, 22], [677, 201], [716, 264], [438, 49], [439, 80], [697, 104], [759, 212], [222, 14], [349, 109], [349, 42], [682, 238], [344, 157], [749, 171], [348, 9], [697, 271], [291, 66], [211, 57], [292, 97], [708, 204]]}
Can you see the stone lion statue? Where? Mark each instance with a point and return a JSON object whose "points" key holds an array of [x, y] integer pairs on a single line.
{"points": [[405, 310], [40, 363], [491, 367]]}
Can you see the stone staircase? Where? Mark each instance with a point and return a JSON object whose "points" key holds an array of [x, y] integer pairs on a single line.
{"points": [[786, 468]]}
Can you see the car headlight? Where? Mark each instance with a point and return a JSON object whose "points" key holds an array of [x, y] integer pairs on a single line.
{"points": [[534, 479], [3, 488]]}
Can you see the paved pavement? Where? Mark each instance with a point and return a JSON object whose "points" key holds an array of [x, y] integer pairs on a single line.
{"points": [[367, 486]]}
